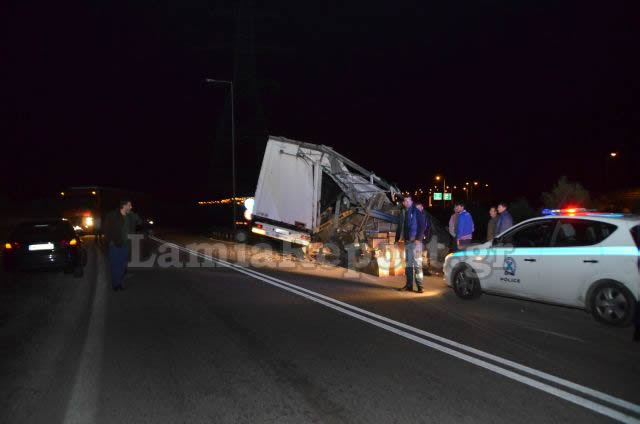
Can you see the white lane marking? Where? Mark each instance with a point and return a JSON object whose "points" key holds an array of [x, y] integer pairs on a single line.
{"points": [[523, 368], [83, 403], [359, 313]]}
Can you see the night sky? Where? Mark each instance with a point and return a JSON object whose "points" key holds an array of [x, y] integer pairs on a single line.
{"points": [[510, 93]]}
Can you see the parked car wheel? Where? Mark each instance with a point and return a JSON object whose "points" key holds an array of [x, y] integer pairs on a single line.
{"points": [[466, 283], [612, 304]]}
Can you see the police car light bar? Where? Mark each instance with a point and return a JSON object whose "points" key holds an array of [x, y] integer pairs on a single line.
{"points": [[567, 211]]}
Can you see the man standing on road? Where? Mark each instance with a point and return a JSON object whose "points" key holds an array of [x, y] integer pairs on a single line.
{"points": [[505, 221], [491, 226], [423, 231], [408, 231], [119, 224], [464, 228]]}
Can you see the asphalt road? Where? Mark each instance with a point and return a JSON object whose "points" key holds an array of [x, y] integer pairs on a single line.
{"points": [[216, 344]]}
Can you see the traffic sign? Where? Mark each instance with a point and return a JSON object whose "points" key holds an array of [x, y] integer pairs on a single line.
{"points": [[437, 196], [447, 196]]}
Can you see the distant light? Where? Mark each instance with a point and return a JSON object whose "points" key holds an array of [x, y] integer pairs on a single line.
{"points": [[8, 246], [247, 215], [613, 154], [88, 221], [466, 183], [93, 192], [151, 222], [62, 193], [437, 177], [249, 202], [486, 185], [475, 183]]}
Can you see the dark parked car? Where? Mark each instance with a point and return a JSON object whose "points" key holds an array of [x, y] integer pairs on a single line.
{"points": [[45, 244]]}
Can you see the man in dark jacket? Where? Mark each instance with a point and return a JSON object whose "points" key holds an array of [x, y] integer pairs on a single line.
{"points": [[408, 231], [423, 223], [505, 221], [493, 221], [118, 225]]}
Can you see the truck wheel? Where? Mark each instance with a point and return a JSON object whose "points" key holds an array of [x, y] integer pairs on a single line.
{"points": [[466, 284], [611, 303], [241, 236]]}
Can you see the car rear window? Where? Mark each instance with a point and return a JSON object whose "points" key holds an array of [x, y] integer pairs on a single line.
{"points": [[635, 233], [60, 229], [582, 232]]}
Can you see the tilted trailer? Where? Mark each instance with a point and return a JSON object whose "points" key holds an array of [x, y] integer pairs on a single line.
{"points": [[311, 195]]}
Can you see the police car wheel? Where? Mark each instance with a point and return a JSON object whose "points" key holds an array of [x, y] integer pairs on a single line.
{"points": [[466, 284], [612, 304]]}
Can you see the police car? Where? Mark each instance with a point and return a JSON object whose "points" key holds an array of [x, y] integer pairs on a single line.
{"points": [[570, 257]]}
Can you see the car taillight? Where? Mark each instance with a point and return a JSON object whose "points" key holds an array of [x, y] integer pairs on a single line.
{"points": [[259, 226], [72, 242]]}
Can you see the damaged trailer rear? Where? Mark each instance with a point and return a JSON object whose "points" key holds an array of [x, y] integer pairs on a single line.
{"points": [[311, 195]]}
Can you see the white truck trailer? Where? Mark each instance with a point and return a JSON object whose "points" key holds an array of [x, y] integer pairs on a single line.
{"points": [[310, 193]]}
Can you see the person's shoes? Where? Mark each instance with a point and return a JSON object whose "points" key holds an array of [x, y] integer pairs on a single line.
{"points": [[420, 290], [406, 288]]}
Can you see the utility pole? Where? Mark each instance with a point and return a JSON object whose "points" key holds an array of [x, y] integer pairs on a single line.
{"points": [[233, 147]]}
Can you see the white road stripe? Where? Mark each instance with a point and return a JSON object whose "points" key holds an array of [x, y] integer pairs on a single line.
{"points": [[83, 403], [362, 314]]}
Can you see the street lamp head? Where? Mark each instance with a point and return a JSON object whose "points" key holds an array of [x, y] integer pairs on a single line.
{"points": [[215, 81]]}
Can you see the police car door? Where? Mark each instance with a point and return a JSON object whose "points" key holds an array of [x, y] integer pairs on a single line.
{"points": [[520, 263], [576, 259]]}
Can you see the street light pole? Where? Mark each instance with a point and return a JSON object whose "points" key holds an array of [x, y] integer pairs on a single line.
{"points": [[233, 147], [444, 190]]}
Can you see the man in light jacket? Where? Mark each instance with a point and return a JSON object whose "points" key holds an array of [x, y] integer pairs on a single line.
{"points": [[465, 227]]}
